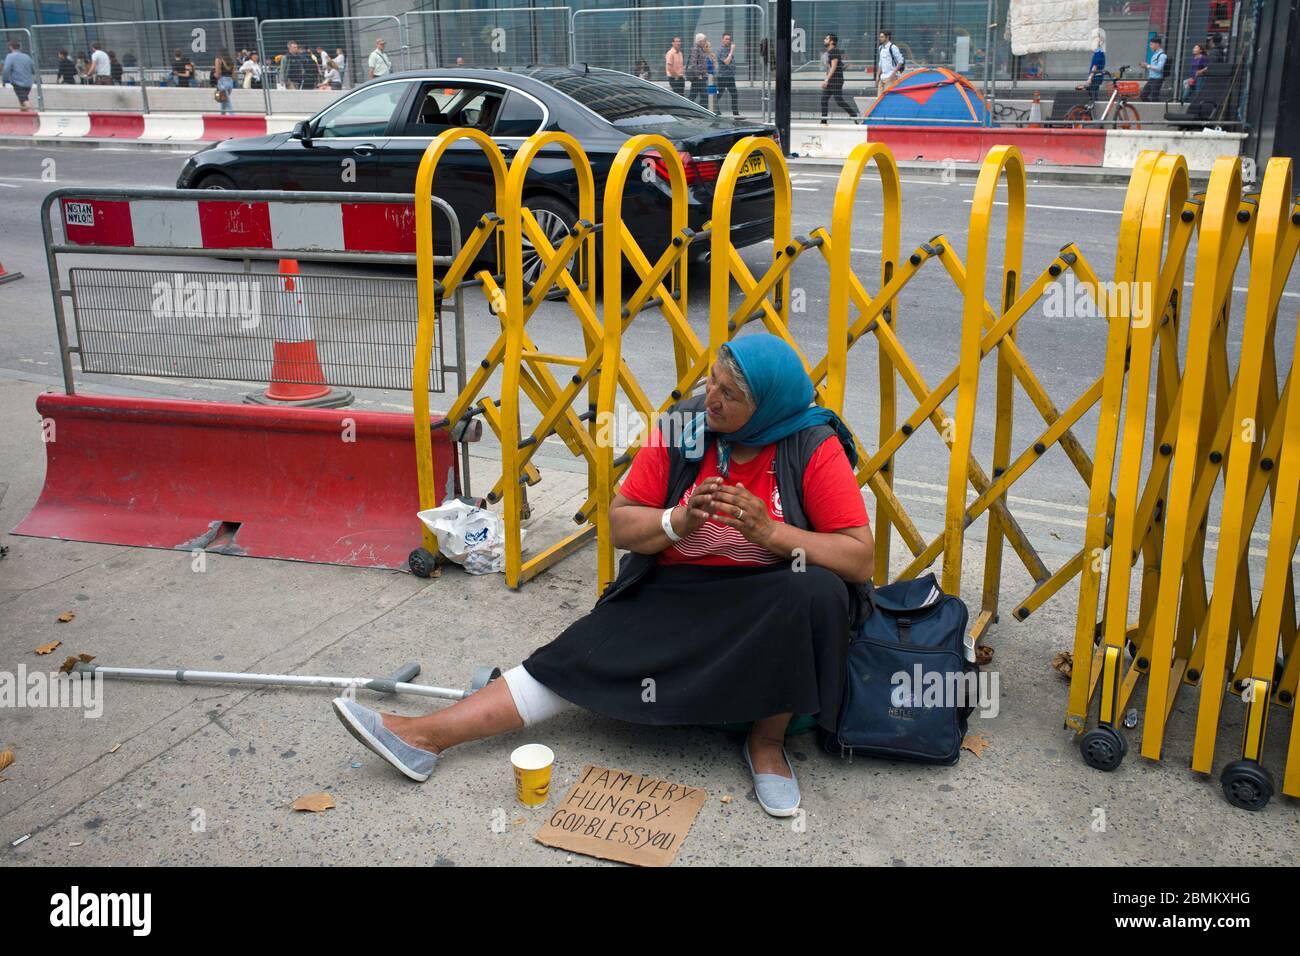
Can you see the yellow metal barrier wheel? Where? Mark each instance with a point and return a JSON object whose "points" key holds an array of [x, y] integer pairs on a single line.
{"points": [[1247, 784], [422, 562], [1103, 748]]}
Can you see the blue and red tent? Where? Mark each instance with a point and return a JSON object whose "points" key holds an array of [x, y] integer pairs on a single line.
{"points": [[930, 96]]}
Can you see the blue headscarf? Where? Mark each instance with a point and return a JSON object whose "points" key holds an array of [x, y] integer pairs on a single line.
{"points": [[783, 395]]}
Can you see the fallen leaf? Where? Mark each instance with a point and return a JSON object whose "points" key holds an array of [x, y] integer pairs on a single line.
{"points": [[6, 758], [314, 803], [1063, 663], [975, 743], [725, 798], [66, 616], [983, 655], [48, 648], [66, 666], [115, 748], [519, 821]]}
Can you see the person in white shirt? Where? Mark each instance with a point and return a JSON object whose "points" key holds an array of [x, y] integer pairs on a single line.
{"points": [[379, 62], [341, 64], [889, 62], [251, 72], [99, 70]]}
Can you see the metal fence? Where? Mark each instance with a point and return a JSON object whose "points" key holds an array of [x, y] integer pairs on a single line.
{"points": [[24, 38], [223, 326], [507, 38], [637, 39], [313, 60], [145, 53]]}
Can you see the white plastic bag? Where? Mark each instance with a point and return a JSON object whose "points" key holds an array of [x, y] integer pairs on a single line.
{"points": [[470, 536]]}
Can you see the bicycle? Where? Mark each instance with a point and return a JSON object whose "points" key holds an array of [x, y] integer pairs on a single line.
{"points": [[1118, 109]]}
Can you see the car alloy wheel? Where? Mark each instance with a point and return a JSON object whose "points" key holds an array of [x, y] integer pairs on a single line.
{"points": [[556, 230]]}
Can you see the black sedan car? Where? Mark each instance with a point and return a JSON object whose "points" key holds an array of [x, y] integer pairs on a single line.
{"points": [[385, 125]]}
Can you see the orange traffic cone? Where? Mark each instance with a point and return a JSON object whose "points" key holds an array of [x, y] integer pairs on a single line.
{"points": [[296, 374], [8, 276], [1036, 111]]}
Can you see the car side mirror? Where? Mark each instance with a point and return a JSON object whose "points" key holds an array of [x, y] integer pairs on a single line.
{"points": [[302, 131]]}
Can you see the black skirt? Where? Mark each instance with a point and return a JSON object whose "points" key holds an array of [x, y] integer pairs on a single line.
{"points": [[694, 644]]}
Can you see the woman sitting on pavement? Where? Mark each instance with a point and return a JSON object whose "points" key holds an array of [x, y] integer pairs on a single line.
{"points": [[749, 544]]}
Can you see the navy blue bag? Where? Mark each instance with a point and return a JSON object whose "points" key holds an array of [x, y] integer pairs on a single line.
{"points": [[911, 680]]}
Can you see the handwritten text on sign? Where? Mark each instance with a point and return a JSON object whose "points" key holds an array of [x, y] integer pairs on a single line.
{"points": [[616, 815]]}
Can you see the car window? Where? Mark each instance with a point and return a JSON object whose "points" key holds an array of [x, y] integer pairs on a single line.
{"points": [[365, 113], [519, 116], [622, 99], [445, 105]]}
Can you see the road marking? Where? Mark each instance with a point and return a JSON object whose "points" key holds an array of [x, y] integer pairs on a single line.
{"points": [[874, 252], [1243, 290], [10, 186], [1032, 205]]}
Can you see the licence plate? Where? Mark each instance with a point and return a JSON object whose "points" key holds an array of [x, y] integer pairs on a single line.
{"points": [[753, 166]]}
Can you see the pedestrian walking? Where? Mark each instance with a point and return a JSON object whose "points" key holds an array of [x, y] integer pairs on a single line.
{"points": [[223, 78], [182, 69], [833, 83], [674, 68], [18, 71], [1155, 68], [250, 72], [1097, 66], [697, 71], [99, 70], [379, 62], [889, 63], [727, 74], [67, 69], [1196, 69]]}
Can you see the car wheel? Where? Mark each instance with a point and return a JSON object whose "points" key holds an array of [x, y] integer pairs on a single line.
{"points": [[216, 181], [555, 216]]}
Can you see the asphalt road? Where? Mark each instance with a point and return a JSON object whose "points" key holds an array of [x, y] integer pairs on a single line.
{"points": [[1066, 353]]}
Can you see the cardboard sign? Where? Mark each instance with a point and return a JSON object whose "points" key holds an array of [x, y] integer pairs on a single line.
{"points": [[616, 815]]}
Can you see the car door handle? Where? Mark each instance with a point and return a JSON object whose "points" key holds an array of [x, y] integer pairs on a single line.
{"points": [[365, 149]]}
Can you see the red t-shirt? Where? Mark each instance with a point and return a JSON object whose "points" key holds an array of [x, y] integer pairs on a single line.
{"points": [[831, 499]]}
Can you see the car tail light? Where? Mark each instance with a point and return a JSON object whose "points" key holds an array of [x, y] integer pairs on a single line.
{"points": [[697, 171]]}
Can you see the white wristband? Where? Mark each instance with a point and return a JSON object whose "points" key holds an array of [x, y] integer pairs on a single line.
{"points": [[666, 520]]}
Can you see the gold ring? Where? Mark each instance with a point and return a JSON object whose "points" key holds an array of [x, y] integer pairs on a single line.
{"points": [[740, 514]]}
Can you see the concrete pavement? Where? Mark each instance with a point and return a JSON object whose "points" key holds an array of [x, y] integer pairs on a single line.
{"points": [[185, 774]]}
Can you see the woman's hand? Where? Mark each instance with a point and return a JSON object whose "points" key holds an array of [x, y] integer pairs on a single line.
{"points": [[700, 506], [741, 509]]}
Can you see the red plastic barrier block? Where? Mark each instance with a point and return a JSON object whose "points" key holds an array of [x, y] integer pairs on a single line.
{"points": [[97, 222], [235, 225], [19, 123], [378, 227], [228, 126], [117, 125], [1055, 147], [329, 486]]}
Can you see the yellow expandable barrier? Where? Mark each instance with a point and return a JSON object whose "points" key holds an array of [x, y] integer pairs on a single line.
{"points": [[1178, 428]]}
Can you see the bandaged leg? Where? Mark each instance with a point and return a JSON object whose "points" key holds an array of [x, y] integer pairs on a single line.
{"points": [[533, 700]]}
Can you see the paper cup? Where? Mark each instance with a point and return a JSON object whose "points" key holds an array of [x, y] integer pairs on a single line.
{"points": [[532, 764]]}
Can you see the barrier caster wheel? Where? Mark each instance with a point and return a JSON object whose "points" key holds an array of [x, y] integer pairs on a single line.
{"points": [[483, 675], [1247, 785], [1103, 748], [422, 562]]}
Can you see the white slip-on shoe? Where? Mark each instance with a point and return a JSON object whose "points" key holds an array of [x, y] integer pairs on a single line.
{"points": [[368, 727], [778, 795]]}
